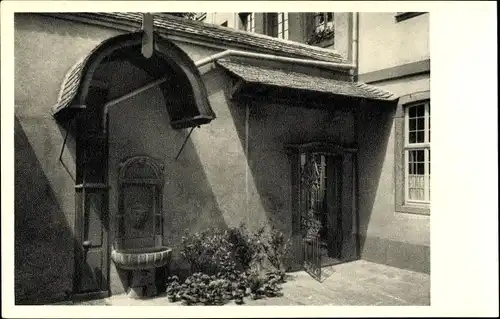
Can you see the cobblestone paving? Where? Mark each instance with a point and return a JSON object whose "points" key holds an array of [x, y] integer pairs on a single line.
{"points": [[358, 283]]}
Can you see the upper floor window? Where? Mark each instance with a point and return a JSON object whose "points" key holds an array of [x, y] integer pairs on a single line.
{"points": [[417, 153], [278, 25], [248, 21], [322, 21], [321, 29]]}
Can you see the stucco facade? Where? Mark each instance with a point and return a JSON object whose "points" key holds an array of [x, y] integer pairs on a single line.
{"points": [[235, 169], [394, 55], [393, 52]]}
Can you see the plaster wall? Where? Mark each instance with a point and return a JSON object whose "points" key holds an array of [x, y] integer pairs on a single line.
{"points": [[44, 205], [219, 18], [387, 236], [211, 184], [385, 43], [271, 127], [230, 171]]}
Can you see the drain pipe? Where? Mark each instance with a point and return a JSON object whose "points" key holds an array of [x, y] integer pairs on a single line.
{"points": [[270, 57], [355, 43]]}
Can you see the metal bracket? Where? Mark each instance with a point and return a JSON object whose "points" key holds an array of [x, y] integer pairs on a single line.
{"points": [[185, 141], [64, 145]]}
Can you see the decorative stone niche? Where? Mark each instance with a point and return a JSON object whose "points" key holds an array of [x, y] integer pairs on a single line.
{"points": [[139, 248], [139, 216]]}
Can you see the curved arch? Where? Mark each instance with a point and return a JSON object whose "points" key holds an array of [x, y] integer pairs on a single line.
{"points": [[127, 169], [194, 109]]}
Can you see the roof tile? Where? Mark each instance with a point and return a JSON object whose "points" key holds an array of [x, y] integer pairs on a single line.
{"points": [[277, 77], [166, 24]]}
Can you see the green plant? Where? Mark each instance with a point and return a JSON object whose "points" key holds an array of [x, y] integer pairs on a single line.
{"points": [[276, 248], [247, 246], [215, 278], [320, 36], [208, 251]]}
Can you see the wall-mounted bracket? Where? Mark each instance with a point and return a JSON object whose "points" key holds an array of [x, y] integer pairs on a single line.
{"points": [[147, 35]]}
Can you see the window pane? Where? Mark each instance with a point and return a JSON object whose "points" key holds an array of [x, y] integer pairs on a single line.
{"points": [[413, 137], [420, 156], [330, 16], [416, 187], [420, 123], [413, 124], [420, 137], [412, 111], [420, 110], [420, 169], [416, 162]]}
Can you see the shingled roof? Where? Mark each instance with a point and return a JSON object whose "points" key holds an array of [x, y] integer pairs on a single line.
{"points": [[300, 81], [166, 24]]}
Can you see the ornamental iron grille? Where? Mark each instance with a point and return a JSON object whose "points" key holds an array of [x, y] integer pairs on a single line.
{"points": [[312, 173]]}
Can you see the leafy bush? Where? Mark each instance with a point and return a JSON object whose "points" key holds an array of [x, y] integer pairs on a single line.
{"points": [[276, 248], [208, 252], [226, 265], [320, 36], [217, 289], [247, 246]]}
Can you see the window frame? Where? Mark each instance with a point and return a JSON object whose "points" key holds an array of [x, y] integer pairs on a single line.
{"points": [[425, 146], [281, 26], [401, 204], [320, 34], [248, 21], [325, 20]]}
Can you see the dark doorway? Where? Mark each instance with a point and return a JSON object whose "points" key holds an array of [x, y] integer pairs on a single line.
{"points": [[321, 191]]}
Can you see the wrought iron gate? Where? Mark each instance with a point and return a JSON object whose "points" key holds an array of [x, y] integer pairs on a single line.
{"points": [[311, 177], [312, 257]]}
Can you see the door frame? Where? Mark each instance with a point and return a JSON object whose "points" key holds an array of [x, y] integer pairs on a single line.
{"points": [[348, 192]]}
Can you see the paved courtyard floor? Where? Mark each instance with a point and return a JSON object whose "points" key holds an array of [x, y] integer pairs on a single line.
{"points": [[358, 283]]}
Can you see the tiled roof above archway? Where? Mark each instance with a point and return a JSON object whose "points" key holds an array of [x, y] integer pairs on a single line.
{"points": [[192, 109], [170, 25]]}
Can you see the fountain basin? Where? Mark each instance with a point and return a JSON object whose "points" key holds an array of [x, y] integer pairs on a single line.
{"points": [[141, 258]]}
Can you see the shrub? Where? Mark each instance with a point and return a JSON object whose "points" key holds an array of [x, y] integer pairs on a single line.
{"points": [[216, 278], [276, 248], [203, 289], [247, 247], [208, 252]]}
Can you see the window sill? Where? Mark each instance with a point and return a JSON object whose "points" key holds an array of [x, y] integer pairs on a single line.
{"points": [[325, 43], [415, 209]]}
